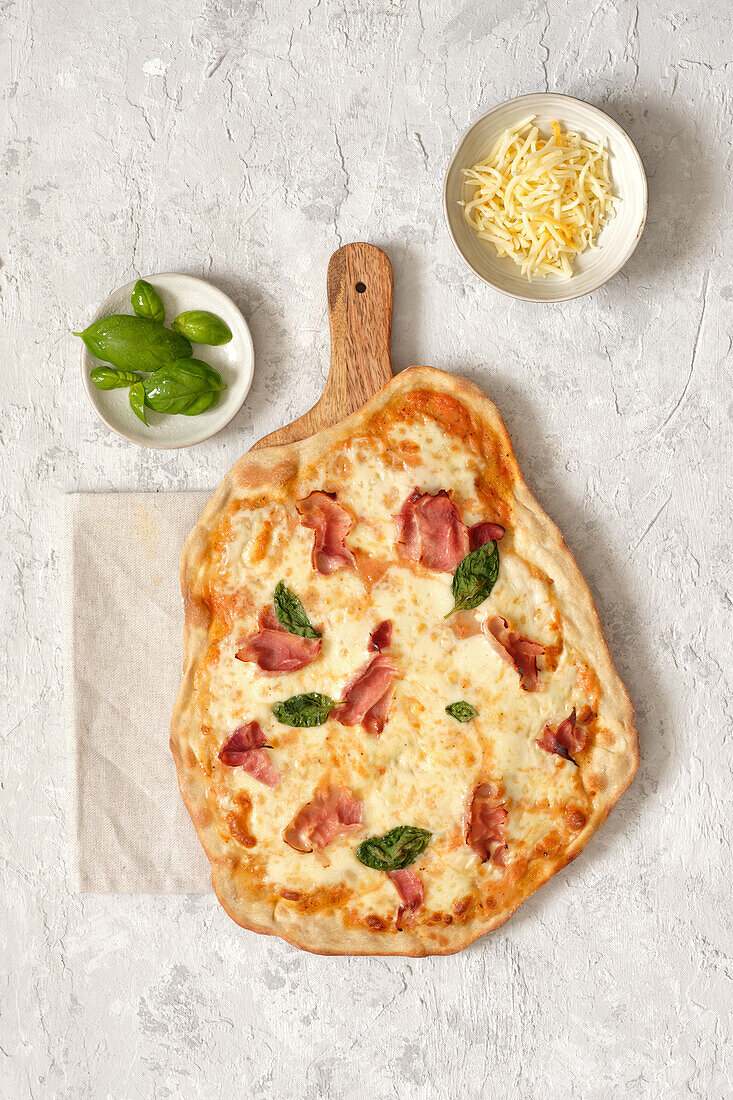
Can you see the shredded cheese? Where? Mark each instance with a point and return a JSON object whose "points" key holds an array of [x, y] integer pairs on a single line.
{"points": [[540, 201]]}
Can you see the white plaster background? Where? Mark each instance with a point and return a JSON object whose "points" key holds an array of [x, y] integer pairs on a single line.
{"points": [[245, 142]]}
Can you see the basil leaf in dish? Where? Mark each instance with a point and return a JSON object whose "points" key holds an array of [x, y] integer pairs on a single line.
{"points": [[147, 302], [137, 401], [134, 343], [201, 404], [172, 389], [108, 378], [202, 327]]}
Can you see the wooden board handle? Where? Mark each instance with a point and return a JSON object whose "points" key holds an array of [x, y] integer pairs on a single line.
{"points": [[360, 289]]}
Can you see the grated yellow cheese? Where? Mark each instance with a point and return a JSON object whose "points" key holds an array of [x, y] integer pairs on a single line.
{"points": [[540, 201]]}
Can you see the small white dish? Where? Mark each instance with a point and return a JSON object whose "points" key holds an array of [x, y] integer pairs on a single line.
{"points": [[617, 240], [234, 362]]}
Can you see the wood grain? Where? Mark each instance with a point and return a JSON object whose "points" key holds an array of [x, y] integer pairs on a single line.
{"points": [[360, 289]]}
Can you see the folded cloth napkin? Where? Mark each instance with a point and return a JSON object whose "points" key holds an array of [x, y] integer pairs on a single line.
{"points": [[123, 621]]}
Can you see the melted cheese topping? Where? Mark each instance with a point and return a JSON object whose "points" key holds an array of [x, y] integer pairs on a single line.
{"points": [[540, 201], [424, 767]]}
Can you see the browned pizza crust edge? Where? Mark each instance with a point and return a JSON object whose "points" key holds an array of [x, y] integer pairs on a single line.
{"points": [[324, 932]]}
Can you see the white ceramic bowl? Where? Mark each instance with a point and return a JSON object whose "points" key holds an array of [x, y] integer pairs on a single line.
{"points": [[234, 362], [618, 238]]}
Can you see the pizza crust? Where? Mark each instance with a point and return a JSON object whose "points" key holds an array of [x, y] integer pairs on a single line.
{"points": [[609, 770]]}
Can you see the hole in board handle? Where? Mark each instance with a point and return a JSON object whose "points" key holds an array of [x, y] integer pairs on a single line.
{"points": [[360, 288]]}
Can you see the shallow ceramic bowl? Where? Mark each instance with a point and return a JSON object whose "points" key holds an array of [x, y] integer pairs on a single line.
{"points": [[618, 238], [234, 362]]}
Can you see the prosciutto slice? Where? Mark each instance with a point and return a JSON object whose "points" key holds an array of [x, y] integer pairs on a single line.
{"points": [[275, 649], [244, 749], [516, 650], [430, 530], [367, 698], [566, 740], [481, 533], [487, 815], [246, 737], [330, 523], [334, 812], [381, 637], [410, 889], [258, 764], [376, 717]]}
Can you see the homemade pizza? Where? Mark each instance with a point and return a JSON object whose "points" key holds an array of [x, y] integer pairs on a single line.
{"points": [[398, 715]]}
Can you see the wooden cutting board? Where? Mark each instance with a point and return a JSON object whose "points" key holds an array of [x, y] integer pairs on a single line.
{"points": [[360, 288]]}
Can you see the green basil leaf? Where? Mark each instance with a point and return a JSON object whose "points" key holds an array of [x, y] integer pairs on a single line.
{"points": [[201, 404], [311, 709], [475, 577], [174, 388], [291, 613], [461, 711], [202, 327], [134, 343], [147, 302], [137, 401], [397, 849], [107, 378]]}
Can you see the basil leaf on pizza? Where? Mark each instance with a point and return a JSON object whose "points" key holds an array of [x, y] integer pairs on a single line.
{"points": [[304, 711], [397, 849], [291, 613], [475, 577], [461, 711]]}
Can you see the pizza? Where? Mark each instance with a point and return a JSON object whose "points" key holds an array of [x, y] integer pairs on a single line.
{"points": [[398, 714]]}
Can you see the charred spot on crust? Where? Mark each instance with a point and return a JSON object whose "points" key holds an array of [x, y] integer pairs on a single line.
{"points": [[238, 821], [575, 817]]}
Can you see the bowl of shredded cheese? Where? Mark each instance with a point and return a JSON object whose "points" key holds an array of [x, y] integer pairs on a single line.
{"points": [[545, 197]]}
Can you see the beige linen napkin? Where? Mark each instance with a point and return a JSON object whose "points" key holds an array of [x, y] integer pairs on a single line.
{"points": [[123, 619]]}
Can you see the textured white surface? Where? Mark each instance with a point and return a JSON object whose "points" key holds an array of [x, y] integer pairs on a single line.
{"points": [[244, 143]]}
